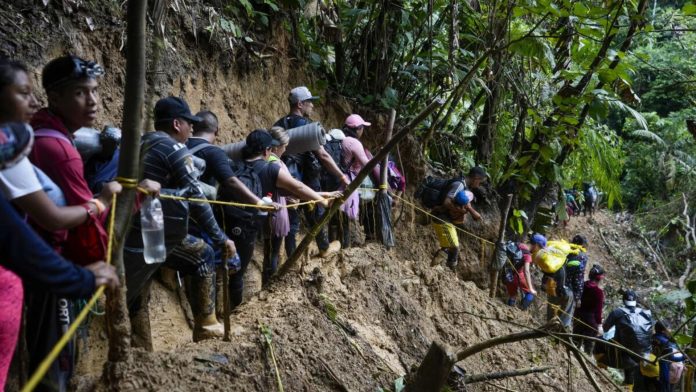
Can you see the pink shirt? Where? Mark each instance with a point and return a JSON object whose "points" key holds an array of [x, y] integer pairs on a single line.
{"points": [[354, 154]]}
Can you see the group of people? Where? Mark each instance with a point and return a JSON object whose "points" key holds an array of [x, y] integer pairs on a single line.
{"points": [[648, 354], [54, 204], [581, 201]]}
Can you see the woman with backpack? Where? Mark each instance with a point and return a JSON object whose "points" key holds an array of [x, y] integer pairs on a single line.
{"points": [[671, 361], [354, 157], [242, 225], [588, 315], [517, 276]]}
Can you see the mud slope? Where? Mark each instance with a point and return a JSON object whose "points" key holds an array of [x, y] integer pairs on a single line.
{"points": [[392, 306], [614, 244]]}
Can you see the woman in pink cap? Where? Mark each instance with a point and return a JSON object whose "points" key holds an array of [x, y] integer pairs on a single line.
{"points": [[354, 157]]}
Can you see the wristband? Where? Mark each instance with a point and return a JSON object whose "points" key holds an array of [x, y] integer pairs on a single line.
{"points": [[99, 205], [89, 210]]}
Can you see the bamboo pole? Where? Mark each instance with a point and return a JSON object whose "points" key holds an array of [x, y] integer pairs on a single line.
{"points": [[117, 318], [494, 270]]}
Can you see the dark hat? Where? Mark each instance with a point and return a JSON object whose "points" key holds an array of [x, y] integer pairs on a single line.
{"points": [[579, 240], [167, 109], [260, 139], [596, 272], [477, 171], [629, 298], [16, 140], [68, 68]]}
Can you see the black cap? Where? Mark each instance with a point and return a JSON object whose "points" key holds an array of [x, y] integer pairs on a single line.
{"points": [[477, 171], [260, 139], [579, 240], [167, 109], [629, 298], [16, 140]]}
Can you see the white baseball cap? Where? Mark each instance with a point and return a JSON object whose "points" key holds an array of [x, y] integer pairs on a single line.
{"points": [[300, 94]]}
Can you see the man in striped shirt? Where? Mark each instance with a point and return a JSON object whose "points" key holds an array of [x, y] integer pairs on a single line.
{"points": [[166, 159]]}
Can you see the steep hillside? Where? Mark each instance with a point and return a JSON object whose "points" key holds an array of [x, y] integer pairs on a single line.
{"points": [[389, 306]]}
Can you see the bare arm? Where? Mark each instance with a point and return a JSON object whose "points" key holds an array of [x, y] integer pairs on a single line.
{"points": [[239, 187], [528, 275], [44, 212], [297, 188]]}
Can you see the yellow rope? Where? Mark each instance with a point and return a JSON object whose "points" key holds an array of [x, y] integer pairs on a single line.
{"points": [[235, 204], [65, 339]]}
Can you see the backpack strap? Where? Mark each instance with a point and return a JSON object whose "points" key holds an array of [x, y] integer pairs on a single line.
{"points": [[45, 132], [199, 147]]}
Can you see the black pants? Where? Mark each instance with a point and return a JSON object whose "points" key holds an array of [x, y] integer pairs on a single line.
{"points": [[244, 234], [48, 318], [313, 216], [192, 257]]}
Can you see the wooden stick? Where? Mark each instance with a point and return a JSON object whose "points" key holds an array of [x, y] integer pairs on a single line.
{"points": [[501, 239], [118, 322], [474, 378]]}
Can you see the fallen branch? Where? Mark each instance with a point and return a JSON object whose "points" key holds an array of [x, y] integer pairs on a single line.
{"points": [[685, 276], [474, 378], [658, 259]]}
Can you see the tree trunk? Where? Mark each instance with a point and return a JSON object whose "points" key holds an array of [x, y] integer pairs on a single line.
{"points": [[117, 311], [433, 372]]}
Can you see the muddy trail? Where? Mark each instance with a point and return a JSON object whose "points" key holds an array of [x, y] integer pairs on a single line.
{"points": [[357, 321]]}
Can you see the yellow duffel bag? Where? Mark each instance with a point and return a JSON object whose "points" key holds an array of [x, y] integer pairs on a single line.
{"points": [[552, 258], [650, 368]]}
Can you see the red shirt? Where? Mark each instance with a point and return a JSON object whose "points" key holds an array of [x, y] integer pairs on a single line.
{"points": [[592, 303], [62, 162]]}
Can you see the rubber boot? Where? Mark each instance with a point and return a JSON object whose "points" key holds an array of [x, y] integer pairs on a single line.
{"points": [[206, 325], [511, 301], [527, 300]]}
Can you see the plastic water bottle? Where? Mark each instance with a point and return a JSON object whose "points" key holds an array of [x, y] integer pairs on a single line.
{"points": [[267, 201], [152, 225]]}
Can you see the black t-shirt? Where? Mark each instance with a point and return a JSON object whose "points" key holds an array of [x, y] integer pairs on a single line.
{"points": [[292, 121], [267, 175], [217, 164]]}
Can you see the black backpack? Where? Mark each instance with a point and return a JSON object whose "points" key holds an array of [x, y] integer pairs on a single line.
{"points": [[634, 330], [245, 172], [433, 191], [329, 182], [516, 258]]}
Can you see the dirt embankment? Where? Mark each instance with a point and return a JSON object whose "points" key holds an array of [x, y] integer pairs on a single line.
{"points": [[369, 322]]}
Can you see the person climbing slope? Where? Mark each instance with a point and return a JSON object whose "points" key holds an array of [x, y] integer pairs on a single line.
{"points": [[551, 261], [588, 314], [309, 164], [632, 329], [517, 275], [456, 203]]}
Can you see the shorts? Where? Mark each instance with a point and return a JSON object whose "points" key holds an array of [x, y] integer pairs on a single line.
{"points": [[446, 234]]}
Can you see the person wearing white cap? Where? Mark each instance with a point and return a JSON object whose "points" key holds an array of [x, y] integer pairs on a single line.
{"points": [[633, 330], [309, 164]]}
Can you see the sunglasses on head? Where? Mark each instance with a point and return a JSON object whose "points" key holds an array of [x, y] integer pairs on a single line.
{"points": [[81, 69]]}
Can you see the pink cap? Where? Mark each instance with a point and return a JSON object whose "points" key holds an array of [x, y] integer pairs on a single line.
{"points": [[355, 121]]}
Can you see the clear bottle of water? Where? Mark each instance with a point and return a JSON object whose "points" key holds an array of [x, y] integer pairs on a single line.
{"points": [[152, 225], [266, 201]]}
